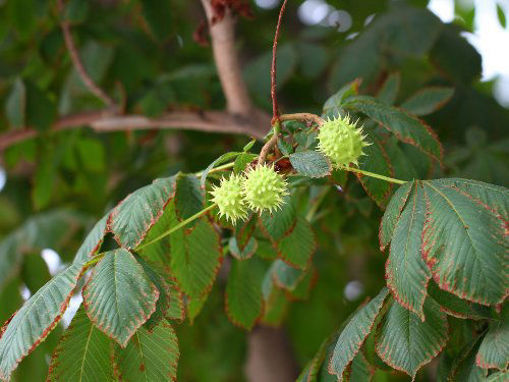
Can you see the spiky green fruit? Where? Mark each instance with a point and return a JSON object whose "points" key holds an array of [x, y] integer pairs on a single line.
{"points": [[264, 188], [229, 197], [341, 140]]}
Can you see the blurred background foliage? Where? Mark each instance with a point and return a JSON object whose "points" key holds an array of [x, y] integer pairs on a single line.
{"points": [[142, 52]]}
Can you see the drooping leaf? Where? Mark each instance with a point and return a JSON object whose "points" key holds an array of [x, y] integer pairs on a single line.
{"points": [[119, 297], [35, 320], [284, 275], [464, 367], [393, 212], [494, 350], [377, 161], [406, 343], [353, 335], [311, 163], [405, 271], [501, 16], [149, 356], [298, 246], [133, 217], [457, 307], [405, 127], [15, 106], [242, 253], [83, 353], [465, 243], [428, 100], [244, 292], [195, 256]]}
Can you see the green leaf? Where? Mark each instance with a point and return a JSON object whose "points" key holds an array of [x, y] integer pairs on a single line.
{"points": [[501, 376], [501, 16], [405, 271], [406, 343], [377, 161], [353, 335], [92, 242], [456, 306], [465, 243], [428, 100], [76, 11], [279, 223], [133, 217], [83, 353], [119, 297], [91, 153], [189, 196], [334, 104], [393, 213], [311, 163], [285, 276], [35, 320], [257, 72], [400, 34], [464, 367], [163, 302], [298, 246], [158, 16], [242, 253], [41, 109], [452, 47], [15, 106], [244, 292], [222, 159], [149, 356], [242, 161], [390, 88], [494, 350], [405, 127], [195, 256]]}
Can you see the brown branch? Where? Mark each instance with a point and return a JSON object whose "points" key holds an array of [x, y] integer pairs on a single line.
{"points": [[103, 122], [302, 117], [76, 60], [222, 35], [275, 109]]}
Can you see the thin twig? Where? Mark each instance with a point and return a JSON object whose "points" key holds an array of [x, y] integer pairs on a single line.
{"points": [[275, 109], [76, 60], [374, 175], [302, 117], [269, 144]]}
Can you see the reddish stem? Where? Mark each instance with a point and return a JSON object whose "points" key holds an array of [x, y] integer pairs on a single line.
{"points": [[275, 110]]}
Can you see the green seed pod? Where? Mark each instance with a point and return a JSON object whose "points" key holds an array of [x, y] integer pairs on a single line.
{"points": [[229, 198], [264, 188], [342, 141]]}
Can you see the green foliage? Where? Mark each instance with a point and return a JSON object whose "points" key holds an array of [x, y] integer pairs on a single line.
{"points": [[161, 263], [83, 353]]}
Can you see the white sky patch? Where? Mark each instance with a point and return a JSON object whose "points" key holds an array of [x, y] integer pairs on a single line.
{"points": [[3, 178], [74, 305], [312, 12], [52, 260], [267, 4], [25, 292], [353, 290], [444, 9]]}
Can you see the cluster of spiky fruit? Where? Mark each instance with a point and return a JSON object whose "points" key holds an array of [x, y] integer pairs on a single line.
{"points": [[342, 141], [259, 189]]}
